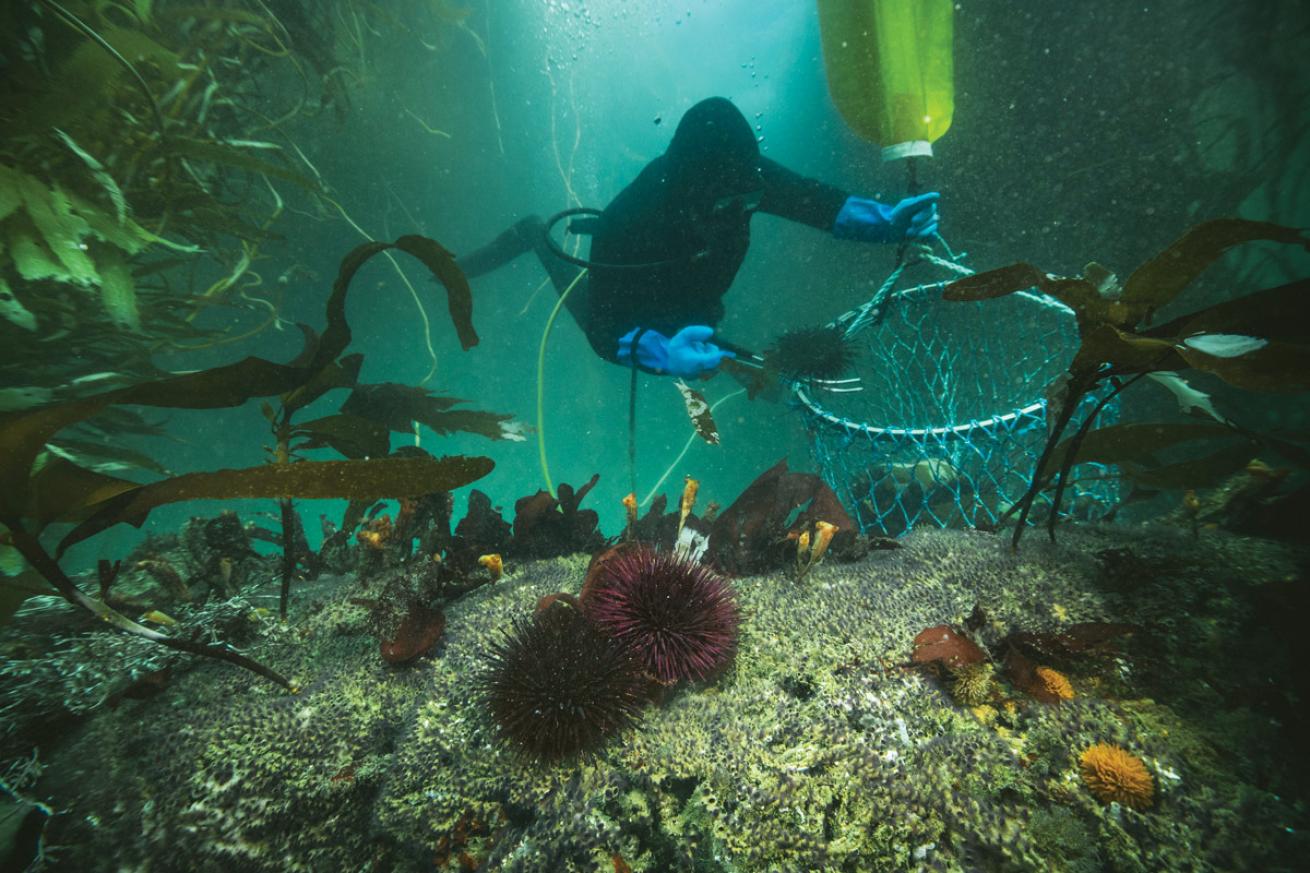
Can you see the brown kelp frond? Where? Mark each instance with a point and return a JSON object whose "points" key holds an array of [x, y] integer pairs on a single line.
{"points": [[372, 479], [397, 407], [40, 485], [1258, 342]]}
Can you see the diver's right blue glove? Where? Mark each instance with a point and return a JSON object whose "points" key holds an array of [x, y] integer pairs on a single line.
{"points": [[912, 219], [687, 354]]}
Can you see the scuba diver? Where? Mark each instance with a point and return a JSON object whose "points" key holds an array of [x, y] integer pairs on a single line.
{"points": [[666, 249]]}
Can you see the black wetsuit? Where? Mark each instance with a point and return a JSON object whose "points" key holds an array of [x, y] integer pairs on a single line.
{"points": [[713, 155]]}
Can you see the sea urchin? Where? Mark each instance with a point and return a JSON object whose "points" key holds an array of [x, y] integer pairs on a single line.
{"points": [[677, 616], [812, 353], [556, 686]]}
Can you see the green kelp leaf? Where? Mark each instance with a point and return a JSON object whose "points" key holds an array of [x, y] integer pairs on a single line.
{"points": [[11, 196], [118, 292], [126, 234], [397, 407], [995, 283], [101, 175], [13, 310], [61, 229], [61, 491], [214, 13], [1276, 366], [459, 297], [350, 435], [25, 397], [1138, 441], [232, 156], [375, 479], [15, 590], [11, 560], [1281, 313], [32, 259], [1204, 472], [1162, 278]]}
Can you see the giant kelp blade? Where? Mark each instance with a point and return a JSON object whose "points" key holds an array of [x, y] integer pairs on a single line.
{"points": [[216, 388], [337, 335], [373, 479], [340, 374], [23, 434], [995, 283], [1276, 366], [442, 264], [1162, 278], [351, 435], [399, 406], [89, 454], [435, 257], [1125, 351], [14, 590], [61, 490], [1137, 441], [392, 405], [1280, 313], [1204, 472]]}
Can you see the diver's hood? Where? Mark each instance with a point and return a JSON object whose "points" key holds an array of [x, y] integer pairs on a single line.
{"points": [[713, 153]]}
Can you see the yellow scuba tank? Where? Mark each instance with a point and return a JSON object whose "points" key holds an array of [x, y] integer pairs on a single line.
{"points": [[890, 71]]}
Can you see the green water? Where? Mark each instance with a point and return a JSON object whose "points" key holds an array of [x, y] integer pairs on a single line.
{"points": [[1096, 132]]}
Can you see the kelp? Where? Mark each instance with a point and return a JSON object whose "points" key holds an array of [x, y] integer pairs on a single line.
{"points": [[698, 410], [127, 130], [39, 487], [371, 479], [397, 407], [1258, 342]]}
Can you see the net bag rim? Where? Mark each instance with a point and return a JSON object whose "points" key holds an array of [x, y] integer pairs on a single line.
{"points": [[857, 319]]}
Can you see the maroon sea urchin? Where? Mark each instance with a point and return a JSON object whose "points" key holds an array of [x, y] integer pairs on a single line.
{"points": [[678, 616], [557, 686]]}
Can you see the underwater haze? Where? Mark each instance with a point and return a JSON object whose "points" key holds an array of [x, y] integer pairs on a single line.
{"points": [[785, 435]]}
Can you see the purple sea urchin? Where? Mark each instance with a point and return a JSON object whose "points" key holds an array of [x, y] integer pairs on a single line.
{"points": [[556, 686], [812, 353], [678, 616]]}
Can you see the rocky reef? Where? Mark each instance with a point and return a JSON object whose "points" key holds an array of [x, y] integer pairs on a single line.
{"points": [[825, 746]]}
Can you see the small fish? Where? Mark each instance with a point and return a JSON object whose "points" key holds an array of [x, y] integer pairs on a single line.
{"points": [[154, 616]]}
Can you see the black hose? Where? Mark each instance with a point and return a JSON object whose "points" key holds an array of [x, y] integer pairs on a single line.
{"points": [[559, 252]]}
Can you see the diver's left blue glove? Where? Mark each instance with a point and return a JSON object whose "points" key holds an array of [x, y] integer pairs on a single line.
{"points": [[913, 219]]}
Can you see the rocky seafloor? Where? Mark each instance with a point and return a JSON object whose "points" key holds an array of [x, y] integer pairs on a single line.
{"points": [[822, 748]]}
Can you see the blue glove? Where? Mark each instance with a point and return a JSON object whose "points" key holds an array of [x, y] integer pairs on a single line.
{"points": [[687, 354], [913, 219]]}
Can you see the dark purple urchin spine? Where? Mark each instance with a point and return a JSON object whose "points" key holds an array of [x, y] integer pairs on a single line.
{"points": [[556, 686], [678, 616]]}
